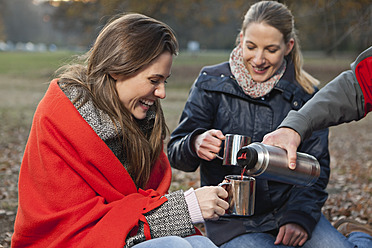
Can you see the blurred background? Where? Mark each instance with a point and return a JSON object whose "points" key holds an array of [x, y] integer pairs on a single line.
{"points": [[38, 36], [328, 26]]}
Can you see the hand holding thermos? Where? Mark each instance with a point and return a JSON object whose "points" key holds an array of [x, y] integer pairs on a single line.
{"points": [[270, 162]]}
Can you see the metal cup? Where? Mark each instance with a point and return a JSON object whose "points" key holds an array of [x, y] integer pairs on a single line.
{"points": [[233, 143], [242, 191]]}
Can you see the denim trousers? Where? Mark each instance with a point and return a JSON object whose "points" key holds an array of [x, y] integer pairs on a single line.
{"points": [[196, 241], [323, 236]]}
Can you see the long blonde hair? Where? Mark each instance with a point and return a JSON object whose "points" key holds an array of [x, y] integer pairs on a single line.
{"points": [[280, 17], [124, 46]]}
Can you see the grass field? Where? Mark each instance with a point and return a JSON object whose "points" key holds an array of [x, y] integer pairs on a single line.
{"points": [[24, 79]]}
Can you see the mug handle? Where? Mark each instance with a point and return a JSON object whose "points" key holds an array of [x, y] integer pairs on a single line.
{"points": [[218, 156], [224, 184]]}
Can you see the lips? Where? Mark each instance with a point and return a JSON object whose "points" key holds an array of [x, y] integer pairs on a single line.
{"points": [[260, 69], [146, 102]]}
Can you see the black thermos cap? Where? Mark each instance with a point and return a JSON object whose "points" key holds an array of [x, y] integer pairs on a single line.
{"points": [[247, 157]]}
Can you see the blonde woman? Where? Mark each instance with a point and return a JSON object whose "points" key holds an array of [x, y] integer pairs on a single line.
{"points": [[250, 95]]}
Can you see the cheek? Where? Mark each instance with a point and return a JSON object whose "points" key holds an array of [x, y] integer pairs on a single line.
{"points": [[276, 61], [247, 55], [123, 94], [122, 98]]}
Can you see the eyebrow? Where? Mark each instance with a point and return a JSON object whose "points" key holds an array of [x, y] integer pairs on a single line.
{"points": [[160, 75], [269, 46]]}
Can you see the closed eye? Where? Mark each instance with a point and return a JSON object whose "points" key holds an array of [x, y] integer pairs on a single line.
{"points": [[158, 82], [158, 78], [273, 48]]}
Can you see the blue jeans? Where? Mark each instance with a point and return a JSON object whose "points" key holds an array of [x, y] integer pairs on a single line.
{"points": [[323, 236], [177, 242]]}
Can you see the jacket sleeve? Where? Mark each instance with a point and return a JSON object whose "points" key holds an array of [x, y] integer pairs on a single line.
{"points": [[346, 98], [195, 119], [339, 101], [170, 219], [305, 203]]}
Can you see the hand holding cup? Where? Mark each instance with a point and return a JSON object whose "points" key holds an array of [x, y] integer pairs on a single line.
{"points": [[211, 201], [208, 144]]}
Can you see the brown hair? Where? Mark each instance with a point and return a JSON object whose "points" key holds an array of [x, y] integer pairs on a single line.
{"points": [[280, 17], [124, 46]]}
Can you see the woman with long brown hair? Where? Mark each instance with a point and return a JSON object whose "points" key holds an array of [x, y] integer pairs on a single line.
{"points": [[94, 173]]}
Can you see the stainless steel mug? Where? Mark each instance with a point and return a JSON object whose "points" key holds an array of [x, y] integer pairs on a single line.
{"points": [[233, 143], [242, 191]]}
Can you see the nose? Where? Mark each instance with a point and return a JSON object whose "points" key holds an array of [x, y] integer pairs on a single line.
{"points": [[160, 91], [259, 58]]}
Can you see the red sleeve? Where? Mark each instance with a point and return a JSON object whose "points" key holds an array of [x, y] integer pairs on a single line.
{"points": [[363, 73], [73, 191]]}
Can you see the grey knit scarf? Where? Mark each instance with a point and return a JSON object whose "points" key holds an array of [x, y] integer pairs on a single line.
{"points": [[110, 132]]}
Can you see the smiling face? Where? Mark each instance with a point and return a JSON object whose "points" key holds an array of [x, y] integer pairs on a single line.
{"points": [[264, 49], [139, 91]]}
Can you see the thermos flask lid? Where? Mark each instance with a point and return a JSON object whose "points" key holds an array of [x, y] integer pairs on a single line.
{"points": [[247, 157]]}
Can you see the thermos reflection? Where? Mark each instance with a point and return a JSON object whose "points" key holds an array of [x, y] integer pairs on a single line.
{"points": [[271, 163]]}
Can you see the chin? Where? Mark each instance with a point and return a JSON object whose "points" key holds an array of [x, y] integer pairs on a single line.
{"points": [[139, 116], [259, 79]]}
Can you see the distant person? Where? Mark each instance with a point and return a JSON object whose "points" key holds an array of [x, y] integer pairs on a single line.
{"points": [[346, 98], [94, 173], [251, 95]]}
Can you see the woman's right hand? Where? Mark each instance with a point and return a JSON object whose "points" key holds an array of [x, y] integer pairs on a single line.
{"points": [[211, 201], [208, 144]]}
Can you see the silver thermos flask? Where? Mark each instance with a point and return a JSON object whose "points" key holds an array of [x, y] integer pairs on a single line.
{"points": [[271, 163]]}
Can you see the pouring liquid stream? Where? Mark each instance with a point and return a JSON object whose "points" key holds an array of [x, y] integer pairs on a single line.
{"points": [[243, 156], [243, 171]]}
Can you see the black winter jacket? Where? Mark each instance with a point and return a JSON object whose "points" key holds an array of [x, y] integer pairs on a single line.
{"points": [[216, 101]]}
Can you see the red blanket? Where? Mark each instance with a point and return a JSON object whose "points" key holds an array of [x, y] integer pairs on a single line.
{"points": [[73, 191]]}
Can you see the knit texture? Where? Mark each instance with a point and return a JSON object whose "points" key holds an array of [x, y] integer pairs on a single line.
{"points": [[73, 191], [172, 217], [244, 78]]}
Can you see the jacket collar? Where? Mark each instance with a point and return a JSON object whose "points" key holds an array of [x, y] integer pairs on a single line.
{"points": [[218, 78], [365, 54]]}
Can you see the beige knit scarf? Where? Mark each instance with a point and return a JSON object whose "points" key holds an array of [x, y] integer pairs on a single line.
{"points": [[244, 79]]}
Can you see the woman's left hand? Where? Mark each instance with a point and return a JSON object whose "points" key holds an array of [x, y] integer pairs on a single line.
{"points": [[291, 235]]}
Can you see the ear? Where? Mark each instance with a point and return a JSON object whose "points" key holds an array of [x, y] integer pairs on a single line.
{"points": [[114, 76], [289, 45], [241, 39]]}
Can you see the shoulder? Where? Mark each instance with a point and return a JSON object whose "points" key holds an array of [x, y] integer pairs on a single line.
{"points": [[362, 64], [218, 78], [217, 70], [366, 54]]}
